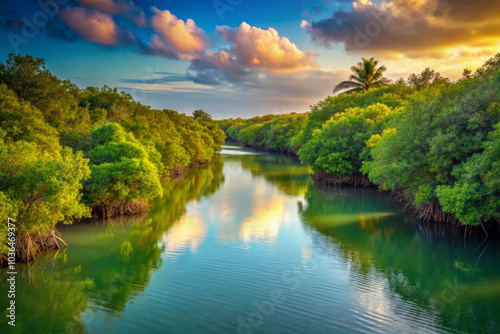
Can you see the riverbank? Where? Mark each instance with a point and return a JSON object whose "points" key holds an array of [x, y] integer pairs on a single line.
{"points": [[270, 237], [435, 143], [29, 246], [286, 153], [178, 173], [430, 214], [90, 152]]}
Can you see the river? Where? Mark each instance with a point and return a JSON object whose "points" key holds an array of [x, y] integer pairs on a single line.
{"points": [[248, 244]]}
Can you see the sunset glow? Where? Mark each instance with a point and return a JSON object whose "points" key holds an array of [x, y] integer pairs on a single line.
{"points": [[252, 58]]}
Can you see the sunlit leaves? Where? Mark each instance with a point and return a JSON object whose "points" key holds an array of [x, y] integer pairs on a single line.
{"points": [[41, 189], [122, 170], [337, 148]]}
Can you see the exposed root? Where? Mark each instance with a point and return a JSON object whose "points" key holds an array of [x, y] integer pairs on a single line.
{"points": [[120, 209], [30, 245], [434, 212], [61, 240], [356, 180], [178, 173]]}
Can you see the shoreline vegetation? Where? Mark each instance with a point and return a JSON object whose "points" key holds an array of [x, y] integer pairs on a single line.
{"points": [[433, 143], [69, 154]]}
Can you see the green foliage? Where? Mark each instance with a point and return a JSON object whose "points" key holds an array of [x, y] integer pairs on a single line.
{"points": [[427, 78], [493, 64], [337, 148], [428, 138], [123, 170], [28, 78], [436, 149], [475, 196], [181, 140], [393, 96], [50, 129], [270, 132], [40, 189], [21, 121]]}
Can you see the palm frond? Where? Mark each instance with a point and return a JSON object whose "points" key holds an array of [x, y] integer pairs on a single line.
{"points": [[356, 78], [381, 82], [346, 85]]}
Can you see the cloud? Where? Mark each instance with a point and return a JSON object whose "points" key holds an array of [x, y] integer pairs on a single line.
{"points": [[265, 49], [215, 68], [304, 88], [251, 54], [124, 8], [92, 25], [415, 28], [176, 38], [276, 92], [166, 78]]}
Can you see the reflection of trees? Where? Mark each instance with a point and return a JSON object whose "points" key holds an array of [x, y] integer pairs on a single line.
{"points": [[196, 184], [287, 175], [106, 264], [48, 301], [137, 251], [436, 273]]}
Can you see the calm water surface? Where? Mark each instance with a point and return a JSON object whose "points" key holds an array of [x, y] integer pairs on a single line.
{"points": [[249, 245]]}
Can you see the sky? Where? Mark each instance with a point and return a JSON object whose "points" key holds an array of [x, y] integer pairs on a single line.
{"points": [[241, 58]]}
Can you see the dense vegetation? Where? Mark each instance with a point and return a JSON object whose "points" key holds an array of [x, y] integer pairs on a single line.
{"points": [[270, 132], [134, 249], [68, 153], [434, 142]]}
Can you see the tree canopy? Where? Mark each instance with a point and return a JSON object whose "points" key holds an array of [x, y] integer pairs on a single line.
{"points": [[433, 141], [68, 152]]}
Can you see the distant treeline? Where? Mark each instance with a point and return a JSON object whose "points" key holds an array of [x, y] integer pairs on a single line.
{"points": [[68, 153], [433, 142]]}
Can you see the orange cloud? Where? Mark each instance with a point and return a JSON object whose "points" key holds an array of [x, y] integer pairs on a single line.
{"points": [[253, 54], [265, 49], [175, 37], [415, 28], [124, 8], [92, 25]]}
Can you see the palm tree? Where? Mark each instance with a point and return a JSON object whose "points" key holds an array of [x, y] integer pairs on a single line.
{"points": [[366, 75]]}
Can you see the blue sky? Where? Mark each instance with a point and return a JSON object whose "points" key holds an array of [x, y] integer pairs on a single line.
{"points": [[240, 58]]}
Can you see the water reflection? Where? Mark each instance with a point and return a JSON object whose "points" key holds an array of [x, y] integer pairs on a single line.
{"points": [[108, 263], [226, 235], [265, 222], [188, 233], [449, 283]]}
